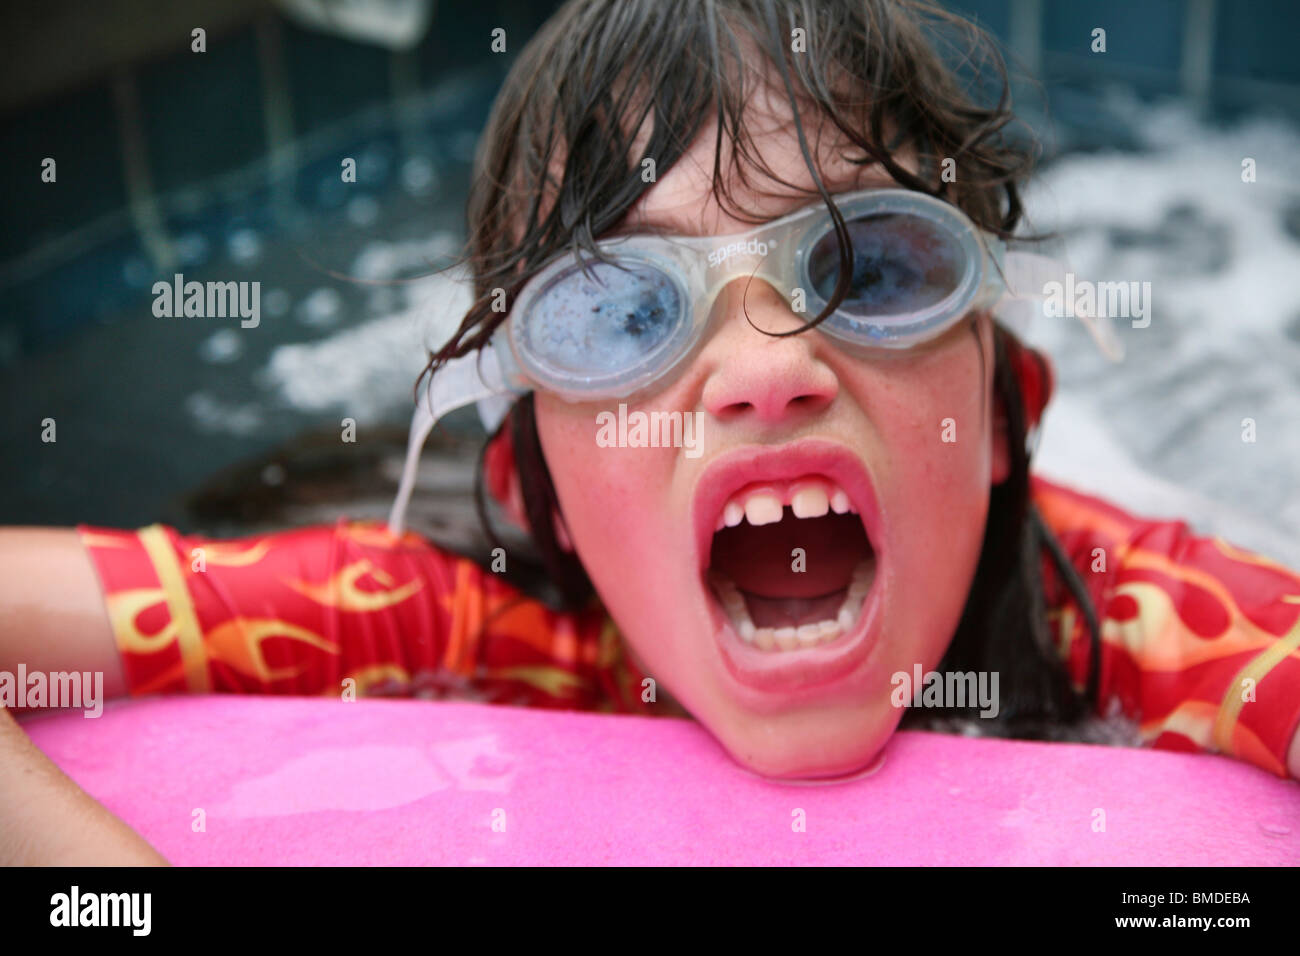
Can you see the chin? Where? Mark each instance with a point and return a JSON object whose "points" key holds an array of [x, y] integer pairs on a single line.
{"points": [[838, 749]]}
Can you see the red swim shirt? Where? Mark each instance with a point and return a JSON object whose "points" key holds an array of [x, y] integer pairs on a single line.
{"points": [[1200, 640]]}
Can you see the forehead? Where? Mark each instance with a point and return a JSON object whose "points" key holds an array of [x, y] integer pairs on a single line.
{"points": [[773, 181]]}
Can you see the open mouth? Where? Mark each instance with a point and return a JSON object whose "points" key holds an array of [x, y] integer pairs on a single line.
{"points": [[788, 540], [790, 563]]}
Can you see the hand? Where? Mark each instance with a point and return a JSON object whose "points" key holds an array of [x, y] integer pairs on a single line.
{"points": [[47, 820]]}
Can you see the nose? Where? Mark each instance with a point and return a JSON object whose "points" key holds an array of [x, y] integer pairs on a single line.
{"points": [[753, 374]]}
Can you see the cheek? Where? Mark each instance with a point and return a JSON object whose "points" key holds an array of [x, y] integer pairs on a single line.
{"points": [[615, 501], [627, 511], [586, 481], [936, 463], [939, 437]]}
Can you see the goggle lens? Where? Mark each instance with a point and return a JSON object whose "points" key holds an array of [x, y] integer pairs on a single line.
{"points": [[604, 317], [902, 265]]}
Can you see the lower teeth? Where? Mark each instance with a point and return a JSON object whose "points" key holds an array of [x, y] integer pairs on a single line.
{"points": [[805, 635]]}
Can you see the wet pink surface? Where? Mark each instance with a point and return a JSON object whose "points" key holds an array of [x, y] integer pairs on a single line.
{"points": [[308, 781]]}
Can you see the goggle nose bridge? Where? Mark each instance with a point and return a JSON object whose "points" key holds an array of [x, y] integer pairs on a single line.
{"points": [[772, 252]]}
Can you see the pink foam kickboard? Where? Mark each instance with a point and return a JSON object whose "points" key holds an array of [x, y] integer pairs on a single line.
{"points": [[307, 781]]}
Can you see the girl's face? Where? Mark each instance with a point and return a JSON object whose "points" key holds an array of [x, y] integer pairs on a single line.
{"points": [[906, 436]]}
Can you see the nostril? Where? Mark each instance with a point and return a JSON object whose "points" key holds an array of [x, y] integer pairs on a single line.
{"points": [[801, 404], [810, 402], [734, 410]]}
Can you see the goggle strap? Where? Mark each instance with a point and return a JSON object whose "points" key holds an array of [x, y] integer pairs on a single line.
{"points": [[1027, 275], [457, 383]]}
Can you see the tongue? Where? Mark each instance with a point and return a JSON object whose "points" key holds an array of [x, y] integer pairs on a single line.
{"points": [[762, 561], [794, 611]]}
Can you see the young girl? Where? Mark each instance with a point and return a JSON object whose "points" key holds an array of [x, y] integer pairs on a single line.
{"points": [[738, 262]]}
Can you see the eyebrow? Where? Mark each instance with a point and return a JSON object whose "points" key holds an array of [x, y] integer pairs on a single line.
{"points": [[662, 229], [640, 229]]}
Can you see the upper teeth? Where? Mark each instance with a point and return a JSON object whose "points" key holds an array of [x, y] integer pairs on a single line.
{"points": [[763, 508], [810, 502], [808, 498]]}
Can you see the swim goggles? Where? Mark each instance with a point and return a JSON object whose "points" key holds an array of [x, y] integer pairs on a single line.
{"points": [[608, 325]]}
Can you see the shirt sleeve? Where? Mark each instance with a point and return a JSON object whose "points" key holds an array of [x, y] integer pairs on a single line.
{"points": [[329, 610], [1200, 641]]}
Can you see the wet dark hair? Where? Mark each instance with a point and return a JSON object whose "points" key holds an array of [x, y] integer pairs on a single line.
{"points": [[555, 170]]}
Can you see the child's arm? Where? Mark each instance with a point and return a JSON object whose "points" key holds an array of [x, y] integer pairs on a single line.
{"points": [[51, 609], [47, 820], [321, 610], [325, 610], [1200, 639], [335, 610], [52, 619]]}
